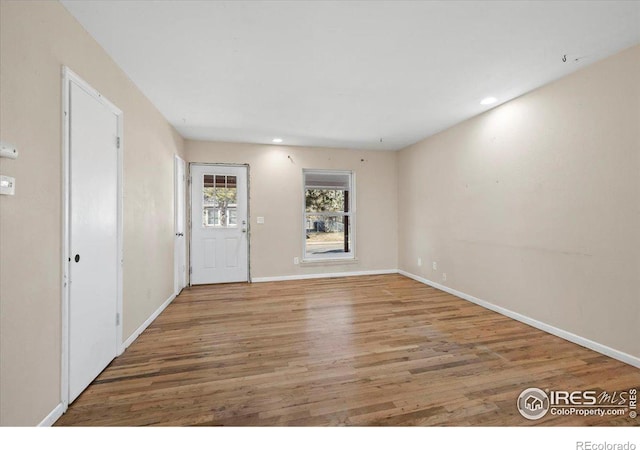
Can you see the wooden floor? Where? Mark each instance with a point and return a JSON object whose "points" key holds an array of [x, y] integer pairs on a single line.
{"points": [[370, 350]]}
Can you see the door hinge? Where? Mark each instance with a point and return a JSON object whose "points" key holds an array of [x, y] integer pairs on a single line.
{"points": [[189, 270], [117, 319], [118, 142]]}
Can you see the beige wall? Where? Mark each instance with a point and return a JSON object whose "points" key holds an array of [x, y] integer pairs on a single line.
{"points": [[36, 39], [535, 205], [276, 195]]}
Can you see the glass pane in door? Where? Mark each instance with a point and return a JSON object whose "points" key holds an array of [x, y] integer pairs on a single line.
{"points": [[219, 200]]}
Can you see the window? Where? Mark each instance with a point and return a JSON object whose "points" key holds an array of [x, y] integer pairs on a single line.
{"points": [[219, 201], [328, 214]]}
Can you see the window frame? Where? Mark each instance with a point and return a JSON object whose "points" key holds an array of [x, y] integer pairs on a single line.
{"points": [[351, 255]]}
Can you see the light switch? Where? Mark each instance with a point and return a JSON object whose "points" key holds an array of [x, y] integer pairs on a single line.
{"points": [[7, 185], [260, 219]]}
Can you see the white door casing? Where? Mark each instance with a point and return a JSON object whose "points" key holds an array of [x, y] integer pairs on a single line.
{"points": [[219, 224], [180, 240], [94, 246]]}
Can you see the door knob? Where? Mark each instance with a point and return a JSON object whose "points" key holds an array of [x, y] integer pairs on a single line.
{"points": [[77, 258]]}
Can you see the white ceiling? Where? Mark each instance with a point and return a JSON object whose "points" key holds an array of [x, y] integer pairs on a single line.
{"points": [[346, 74]]}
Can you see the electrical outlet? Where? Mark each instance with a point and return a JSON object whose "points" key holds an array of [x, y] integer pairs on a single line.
{"points": [[444, 277], [435, 265], [419, 261], [296, 260]]}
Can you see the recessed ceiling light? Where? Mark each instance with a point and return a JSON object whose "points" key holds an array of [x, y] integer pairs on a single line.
{"points": [[276, 140], [488, 100]]}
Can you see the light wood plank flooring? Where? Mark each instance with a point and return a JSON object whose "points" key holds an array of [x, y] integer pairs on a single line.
{"points": [[370, 350]]}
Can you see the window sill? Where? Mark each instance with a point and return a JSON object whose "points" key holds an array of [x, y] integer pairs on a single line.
{"points": [[328, 261]]}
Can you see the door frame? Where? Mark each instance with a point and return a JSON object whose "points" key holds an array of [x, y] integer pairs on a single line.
{"points": [[189, 213], [68, 77], [178, 160]]}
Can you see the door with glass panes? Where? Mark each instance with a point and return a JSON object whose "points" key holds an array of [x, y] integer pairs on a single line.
{"points": [[219, 224]]}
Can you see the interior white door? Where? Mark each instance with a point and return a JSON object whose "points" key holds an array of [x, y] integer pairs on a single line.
{"points": [[93, 238], [180, 250], [219, 225]]}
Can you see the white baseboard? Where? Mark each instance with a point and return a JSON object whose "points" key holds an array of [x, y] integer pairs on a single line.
{"points": [[146, 323], [595, 346], [323, 275], [52, 416]]}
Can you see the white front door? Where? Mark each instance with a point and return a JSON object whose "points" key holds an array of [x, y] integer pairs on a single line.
{"points": [[93, 237], [180, 248], [219, 224]]}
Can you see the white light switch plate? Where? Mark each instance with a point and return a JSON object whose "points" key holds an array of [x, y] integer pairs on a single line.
{"points": [[260, 219], [7, 185]]}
